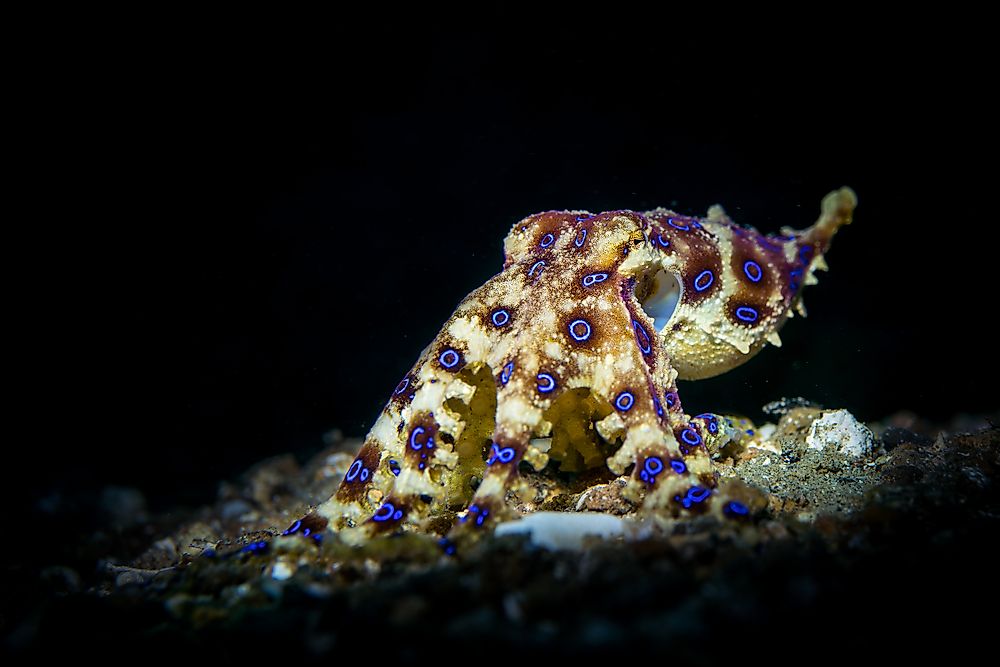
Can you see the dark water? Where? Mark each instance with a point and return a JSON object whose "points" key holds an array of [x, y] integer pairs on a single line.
{"points": [[274, 234]]}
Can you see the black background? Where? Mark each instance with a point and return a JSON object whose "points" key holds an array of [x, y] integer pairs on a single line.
{"points": [[244, 240]]}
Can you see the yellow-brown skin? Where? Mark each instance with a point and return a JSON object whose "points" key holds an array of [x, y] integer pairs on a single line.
{"points": [[558, 345]]}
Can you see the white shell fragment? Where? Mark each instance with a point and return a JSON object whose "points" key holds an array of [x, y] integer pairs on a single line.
{"points": [[565, 530], [839, 429]]}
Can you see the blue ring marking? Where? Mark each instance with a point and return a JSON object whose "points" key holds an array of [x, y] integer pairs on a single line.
{"points": [[734, 507], [414, 434], [700, 283], [394, 467], [389, 511], [573, 325], [506, 372], [695, 494], [671, 399], [663, 242], [504, 455], [653, 465], [678, 466], [578, 242], [550, 383], [531, 271], [795, 272], [659, 408], [750, 267], [448, 546], [293, 528], [594, 278], [501, 315], [625, 401], [455, 358], [305, 533], [353, 471], [401, 387], [676, 225], [547, 240], [747, 314], [640, 335], [691, 437], [397, 515], [365, 474], [805, 254], [430, 442], [711, 421]]}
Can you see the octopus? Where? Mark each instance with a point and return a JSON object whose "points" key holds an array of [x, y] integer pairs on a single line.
{"points": [[570, 357]]}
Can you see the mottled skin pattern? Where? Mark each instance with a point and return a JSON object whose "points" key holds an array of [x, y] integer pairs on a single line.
{"points": [[558, 345]]}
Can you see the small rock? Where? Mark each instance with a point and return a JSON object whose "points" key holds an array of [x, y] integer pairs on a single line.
{"points": [[281, 570], [839, 429]]}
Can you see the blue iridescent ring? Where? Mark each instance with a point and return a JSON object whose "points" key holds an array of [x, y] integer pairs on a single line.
{"points": [[676, 225], [653, 465], [695, 494], [506, 372], [625, 401], [690, 436], [574, 325], [737, 508], [549, 383], [704, 280], [502, 454], [747, 314], [678, 466], [547, 240], [594, 278], [414, 434], [662, 241], [401, 387], [752, 270], [710, 421], [500, 317], [537, 265], [386, 512], [449, 358], [578, 242], [354, 471], [642, 338]]}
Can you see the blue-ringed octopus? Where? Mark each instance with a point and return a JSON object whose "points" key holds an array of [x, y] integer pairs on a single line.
{"points": [[571, 353]]}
